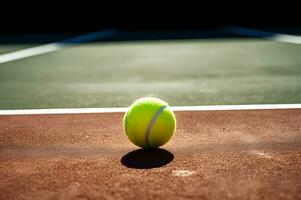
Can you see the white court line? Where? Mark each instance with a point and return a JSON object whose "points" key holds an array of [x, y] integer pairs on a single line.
{"points": [[279, 37], [124, 109], [47, 48]]}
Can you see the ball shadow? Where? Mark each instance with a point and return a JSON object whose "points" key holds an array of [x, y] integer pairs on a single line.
{"points": [[147, 158]]}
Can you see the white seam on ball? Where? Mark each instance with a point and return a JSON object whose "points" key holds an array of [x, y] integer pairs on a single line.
{"points": [[150, 126]]}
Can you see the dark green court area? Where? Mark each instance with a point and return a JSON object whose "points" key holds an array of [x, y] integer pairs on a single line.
{"points": [[208, 71]]}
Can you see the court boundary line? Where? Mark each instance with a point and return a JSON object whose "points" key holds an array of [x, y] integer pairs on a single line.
{"points": [[279, 37], [47, 48], [124, 109]]}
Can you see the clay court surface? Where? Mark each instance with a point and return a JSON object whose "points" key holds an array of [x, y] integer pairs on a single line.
{"points": [[213, 155]]}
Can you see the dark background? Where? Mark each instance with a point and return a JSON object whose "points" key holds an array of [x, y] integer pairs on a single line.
{"points": [[55, 17]]}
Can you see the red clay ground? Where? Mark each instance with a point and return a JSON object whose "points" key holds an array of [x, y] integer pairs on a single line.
{"points": [[214, 155]]}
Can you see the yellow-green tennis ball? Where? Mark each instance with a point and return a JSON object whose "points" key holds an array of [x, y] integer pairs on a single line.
{"points": [[149, 122]]}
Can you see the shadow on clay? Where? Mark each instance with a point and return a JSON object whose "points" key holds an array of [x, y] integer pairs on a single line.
{"points": [[147, 158]]}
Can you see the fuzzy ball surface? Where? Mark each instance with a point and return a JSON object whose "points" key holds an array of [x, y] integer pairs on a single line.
{"points": [[149, 122]]}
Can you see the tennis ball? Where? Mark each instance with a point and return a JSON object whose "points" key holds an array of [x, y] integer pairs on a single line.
{"points": [[149, 122]]}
